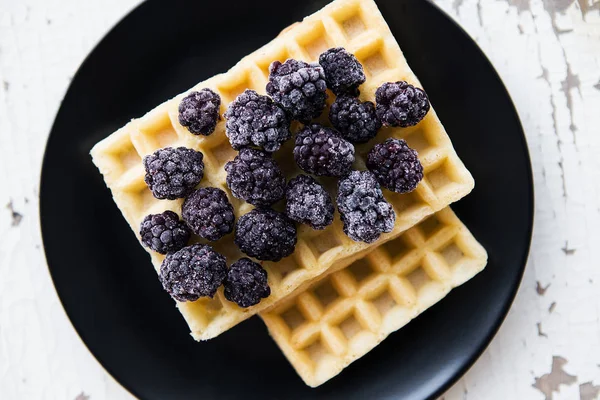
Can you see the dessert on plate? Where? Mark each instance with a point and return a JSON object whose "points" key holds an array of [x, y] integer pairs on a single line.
{"points": [[313, 154]]}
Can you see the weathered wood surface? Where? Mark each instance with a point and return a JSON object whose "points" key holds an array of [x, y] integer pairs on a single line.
{"points": [[548, 54]]}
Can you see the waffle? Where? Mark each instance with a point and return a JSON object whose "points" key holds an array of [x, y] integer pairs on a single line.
{"points": [[356, 25], [345, 314]]}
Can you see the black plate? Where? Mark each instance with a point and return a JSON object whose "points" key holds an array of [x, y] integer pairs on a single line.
{"points": [[105, 280]]}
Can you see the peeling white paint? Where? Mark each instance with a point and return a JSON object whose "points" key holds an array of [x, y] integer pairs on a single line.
{"points": [[548, 54], [546, 51]]}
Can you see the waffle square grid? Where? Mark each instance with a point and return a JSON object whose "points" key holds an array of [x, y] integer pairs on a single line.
{"points": [[345, 314]]}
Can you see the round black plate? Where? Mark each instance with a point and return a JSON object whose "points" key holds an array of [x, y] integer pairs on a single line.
{"points": [[105, 280]]}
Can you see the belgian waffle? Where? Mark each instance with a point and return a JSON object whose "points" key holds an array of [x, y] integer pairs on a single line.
{"points": [[356, 25], [345, 314]]}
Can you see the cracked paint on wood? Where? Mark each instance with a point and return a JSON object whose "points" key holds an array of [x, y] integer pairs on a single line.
{"points": [[550, 383], [589, 391], [541, 290], [16, 216], [539, 330], [548, 54]]}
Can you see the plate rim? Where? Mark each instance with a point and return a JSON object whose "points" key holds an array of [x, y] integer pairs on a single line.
{"points": [[515, 283], [518, 279]]}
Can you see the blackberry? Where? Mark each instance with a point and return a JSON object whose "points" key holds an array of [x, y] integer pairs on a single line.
{"points": [[395, 165], [401, 104], [356, 121], [343, 72], [208, 212], [323, 151], [164, 232], [255, 177], [173, 173], [308, 202], [193, 272], [199, 112], [364, 211], [246, 283], [265, 234], [298, 87], [254, 120]]}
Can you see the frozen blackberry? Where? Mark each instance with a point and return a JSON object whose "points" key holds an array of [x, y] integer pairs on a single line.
{"points": [[265, 234], [199, 112], [401, 104], [164, 232], [364, 211], [298, 87], [308, 202], [395, 165], [255, 177], [255, 120], [208, 212], [193, 272], [323, 151], [356, 120], [343, 72], [246, 283], [173, 173]]}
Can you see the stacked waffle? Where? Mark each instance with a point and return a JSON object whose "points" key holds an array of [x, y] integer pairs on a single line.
{"points": [[333, 299]]}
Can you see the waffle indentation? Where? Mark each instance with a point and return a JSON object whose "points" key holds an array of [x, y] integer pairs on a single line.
{"points": [[293, 318], [361, 270], [129, 157], [430, 226], [418, 278], [223, 153], [375, 64], [440, 177], [230, 89], [166, 137], [353, 26], [350, 327], [204, 310], [326, 293], [286, 267], [213, 305], [452, 253], [140, 196], [397, 249], [405, 204], [384, 303], [315, 41], [157, 132], [417, 140], [278, 54], [317, 351]]}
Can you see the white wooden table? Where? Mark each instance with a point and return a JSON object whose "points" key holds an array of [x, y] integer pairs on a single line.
{"points": [[548, 54]]}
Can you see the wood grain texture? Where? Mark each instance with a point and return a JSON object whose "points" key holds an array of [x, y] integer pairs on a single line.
{"points": [[548, 54]]}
